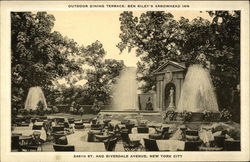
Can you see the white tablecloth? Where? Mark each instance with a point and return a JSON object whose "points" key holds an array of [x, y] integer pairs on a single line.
{"points": [[206, 136], [171, 145], [121, 126], [26, 131], [150, 131], [38, 123], [78, 139], [90, 147], [138, 137], [115, 122]]}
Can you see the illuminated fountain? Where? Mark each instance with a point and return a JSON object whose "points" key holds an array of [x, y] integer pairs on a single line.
{"points": [[197, 94], [35, 96]]}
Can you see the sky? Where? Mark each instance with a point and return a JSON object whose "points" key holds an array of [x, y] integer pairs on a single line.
{"points": [[85, 27]]}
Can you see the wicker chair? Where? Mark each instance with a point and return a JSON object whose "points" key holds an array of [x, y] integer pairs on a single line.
{"points": [[64, 148], [127, 144], [150, 145]]}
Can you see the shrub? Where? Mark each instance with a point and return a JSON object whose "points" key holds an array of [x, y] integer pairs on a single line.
{"points": [[207, 115], [225, 115]]}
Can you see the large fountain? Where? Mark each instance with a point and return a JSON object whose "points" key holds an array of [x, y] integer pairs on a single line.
{"points": [[35, 96], [197, 94], [125, 100], [125, 91]]}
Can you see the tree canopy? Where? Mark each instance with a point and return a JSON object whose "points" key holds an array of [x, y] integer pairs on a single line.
{"points": [[157, 37], [41, 56]]}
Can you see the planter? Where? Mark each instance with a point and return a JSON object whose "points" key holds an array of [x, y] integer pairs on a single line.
{"points": [[196, 117]]}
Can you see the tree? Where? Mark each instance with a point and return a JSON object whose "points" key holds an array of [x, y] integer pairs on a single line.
{"points": [[226, 72], [158, 37], [38, 55], [154, 36], [102, 73]]}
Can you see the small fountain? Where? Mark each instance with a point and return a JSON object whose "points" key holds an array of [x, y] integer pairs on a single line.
{"points": [[35, 96], [125, 91], [197, 94]]}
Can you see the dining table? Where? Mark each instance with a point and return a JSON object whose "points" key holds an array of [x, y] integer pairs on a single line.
{"points": [[27, 131], [170, 145], [138, 137], [150, 130], [79, 140]]}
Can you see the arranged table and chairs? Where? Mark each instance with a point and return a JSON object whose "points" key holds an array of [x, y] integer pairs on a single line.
{"points": [[111, 135]]}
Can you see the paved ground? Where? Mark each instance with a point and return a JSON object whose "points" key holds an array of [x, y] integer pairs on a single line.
{"points": [[79, 137], [79, 140], [84, 116]]}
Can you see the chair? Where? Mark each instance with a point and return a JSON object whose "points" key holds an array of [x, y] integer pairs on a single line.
{"points": [[165, 129], [71, 120], [110, 144], [66, 125], [232, 145], [62, 140], [23, 124], [96, 127], [142, 129], [106, 122], [192, 145], [79, 125], [86, 120], [15, 142], [40, 120], [16, 134], [37, 127], [31, 143], [192, 133], [125, 122], [155, 136], [30, 147], [91, 137], [64, 148], [129, 127], [101, 138], [165, 133], [150, 145], [43, 117], [57, 136], [37, 141], [59, 120], [94, 121], [56, 129], [203, 148], [127, 144], [219, 141]]}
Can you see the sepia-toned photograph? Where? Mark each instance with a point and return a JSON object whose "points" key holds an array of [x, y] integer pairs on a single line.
{"points": [[125, 81]]}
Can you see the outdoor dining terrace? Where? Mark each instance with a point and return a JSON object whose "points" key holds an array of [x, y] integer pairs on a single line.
{"points": [[62, 132]]}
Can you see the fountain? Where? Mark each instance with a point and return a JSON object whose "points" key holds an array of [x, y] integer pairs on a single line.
{"points": [[197, 94], [125, 91], [35, 95], [125, 100]]}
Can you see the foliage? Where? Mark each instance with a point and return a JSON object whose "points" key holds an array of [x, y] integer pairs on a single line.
{"points": [[158, 37], [38, 54], [207, 115], [41, 56], [225, 115], [187, 115], [102, 73], [171, 115]]}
